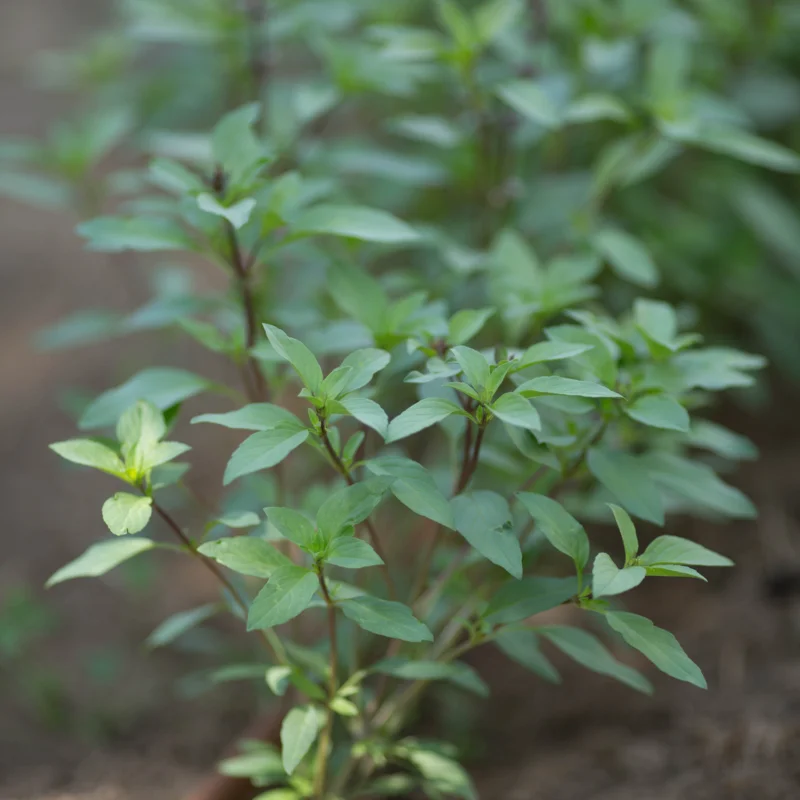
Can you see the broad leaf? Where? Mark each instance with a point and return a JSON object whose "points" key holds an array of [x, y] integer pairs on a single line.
{"points": [[675, 550], [420, 416], [292, 525], [253, 417], [473, 364], [518, 600], [363, 365], [513, 409], [569, 387], [562, 530], [235, 146], [656, 644], [90, 454], [261, 451], [288, 593], [350, 505], [100, 558], [484, 520], [298, 355], [659, 411], [298, 732], [608, 579], [237, 214], [127, 513], [352, 553], [626, 477], [466, 324], [246, 555], [367, 412], [385, 618], [147, 234], [588, 651], [627, 257], [355, 222]]}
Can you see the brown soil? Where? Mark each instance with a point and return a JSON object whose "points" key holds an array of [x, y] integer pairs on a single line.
{"points": [[87, 715]]}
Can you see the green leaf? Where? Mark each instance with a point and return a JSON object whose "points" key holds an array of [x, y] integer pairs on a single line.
{"points": [[359, 295], [659, 411], [235, 146], [562, 530], [675, 550], [513, 409], [127, 513], [699, 484], [363, 365], [355, 222], [367, 412], [568, 387], [237, 214], [164, 387], [456, 672], [522, 646], [141, 422], [658, 324], [298, 355], [627, 529], [349, 506], [115, 234], [473, 364], [608, 579], [597, 107], [178, 624], [246, 555], [352, 553], [239, 519], [385, 618], [627, 256], [298, 732], [292, 525], [421, 415], [262, 764], [90, 454], [548, 351], [253, 417], [626, 477], [100, 558], [414, 487], [174, 177], [529, 99], [442, 774], [288, 593], [673, 571], [466, 324], [494, 17], [721, 441], [261, 451], [518, 600], [277, 679], [457, 23], [484, 520], [589, 652], [656, 644]]}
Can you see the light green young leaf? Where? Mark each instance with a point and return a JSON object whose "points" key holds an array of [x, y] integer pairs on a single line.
{"points": [[364, 365], [261, 451], [174, 177], [385, 618], [277, 678], [141, 422], [253, 417], [656, 644], [657, 322], [292, 525], [630, 540], [548, 351], [90, 454], [100, 558], [349, 506], [246, 555], [589, 652], [367, 412], [162, 386], [298, 355], [484, 520], [676, 550], [466, 324], [627, 257], [456, 672], [473, 364], [127, 513], [513, 409], [298, 732], [235, 146], [414, 487], [659, 411], [608, 579], [522, 646], [626, 477], [562, 530], [568, 387], [115, 234], [355, 222], [175, 626], [238, 214], [518, 600], [529, 99], [288, 593], [262, 764], [351, 553], [421, 415]]}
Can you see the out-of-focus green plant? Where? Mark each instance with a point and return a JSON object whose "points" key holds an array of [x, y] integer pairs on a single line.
{"points": [[466, 219]]}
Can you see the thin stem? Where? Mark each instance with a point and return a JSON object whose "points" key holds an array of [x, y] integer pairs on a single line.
{"points": [[375, 541], [323, 751]]}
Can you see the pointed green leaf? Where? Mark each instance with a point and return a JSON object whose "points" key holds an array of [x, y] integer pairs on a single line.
{"points": [[627, 529], [350, 505], [518, 600], [529, 99], [352, 553], [675, 550], [569, 387], [145, 234], [385, 618], [514, 409], [562, 530], [246, 555], [627, 256], [292, 525], [355, 222], [522, 646], [100, 558], [298, 732], [456, 672], [288, 593], [90, 454], [367, 412], [364, 365], [548, 351], [261, 451], [473, 364], [627, 479], [237, 214], [466, 324], [656, 644], [420, 416], [253, 417], [659, 411], [608, 579], [298, 355], [175, 626]]}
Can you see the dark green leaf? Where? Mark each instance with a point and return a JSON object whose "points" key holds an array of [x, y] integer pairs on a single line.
{"points": [[292, 525], [627, 529], [522, 646], [178, 624], [626, 477], [298, 355], [385, 618], [659, 411], [456, 672], [518, 600], [608, 579], [562, 530], [288, 593]]}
